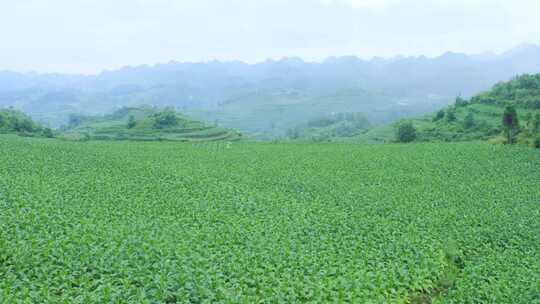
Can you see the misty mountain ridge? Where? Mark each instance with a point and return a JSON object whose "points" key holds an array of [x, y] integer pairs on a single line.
{"points": [[206, 89]]}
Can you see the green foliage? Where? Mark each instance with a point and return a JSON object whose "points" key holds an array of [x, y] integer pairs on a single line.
{"points": [[333, 127], [522, 91], [451, 115], [132, 222], [48, 132], [469, 122], [439, 115], [165, 119], [536, 123], [460, 102], [13, 121], [74, 120], [536, 142], [510, 123], [140, 123], [405, 132], [480, 118], [131, 122]]}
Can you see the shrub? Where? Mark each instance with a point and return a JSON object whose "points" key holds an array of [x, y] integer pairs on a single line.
{"points": [[460, 102], [3, 121], [439, 115], [406, 132], [536, 142], [469, 121], [75, 120], [164, 119], [47, 132], [23, 125], [131, 122], [536, 123], [450, 115]]}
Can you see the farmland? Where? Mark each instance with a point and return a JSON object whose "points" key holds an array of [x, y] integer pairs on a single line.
{"points": [[169, 222]]}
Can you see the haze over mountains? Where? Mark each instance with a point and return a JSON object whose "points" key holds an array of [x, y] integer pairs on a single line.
{"points": [[267, 98]]}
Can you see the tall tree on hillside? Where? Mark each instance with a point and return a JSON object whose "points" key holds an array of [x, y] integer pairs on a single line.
{"points": [[510, 123], [469, 121], [439, 115], [536, 123], [131, 122], [460, 102], [450, 115], [528, 121]]}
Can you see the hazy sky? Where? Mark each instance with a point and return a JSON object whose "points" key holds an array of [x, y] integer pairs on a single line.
{"points": [[88, 36]]}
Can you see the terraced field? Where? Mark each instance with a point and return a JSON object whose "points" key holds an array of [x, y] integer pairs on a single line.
{"points": [[148, 222], [114, 127]]}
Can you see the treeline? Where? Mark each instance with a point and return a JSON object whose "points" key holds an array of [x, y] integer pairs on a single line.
{"points": [[160, 117], [339, 125], [522, 91], [13, 121]]}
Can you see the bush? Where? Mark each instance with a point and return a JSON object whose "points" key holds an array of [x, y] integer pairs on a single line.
{"points": [[23, 125], [74, 120], [460, 102], [131, 122], [536, 123], [3, 120], [406, 132], [450, 115], [469, 121], [439, 115], [48, 132], [164, 119], [536, 142]]}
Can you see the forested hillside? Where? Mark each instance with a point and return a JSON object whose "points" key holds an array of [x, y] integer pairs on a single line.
{"points": [[334, 127], [480, 117], [13, 121]]}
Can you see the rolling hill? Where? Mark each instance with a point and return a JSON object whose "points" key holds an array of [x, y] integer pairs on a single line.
{"points": [[16, 122], [145, 124], [267, 98], [271, 113], [478, 118], [337, 127]]}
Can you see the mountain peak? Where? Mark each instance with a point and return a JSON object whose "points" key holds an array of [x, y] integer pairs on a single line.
{"points": [[523, 49]]}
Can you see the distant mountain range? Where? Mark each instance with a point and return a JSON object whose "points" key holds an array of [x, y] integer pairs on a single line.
{"points": [[267, 98]]}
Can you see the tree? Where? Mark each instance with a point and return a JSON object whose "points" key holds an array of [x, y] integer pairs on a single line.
{"points": [[165, 118], [460, 102], [23, 125], [293, 133], [469, 121], [75, 120], [47, 132], [406, 132], [536, 123], [439, 115], [528, 120], [450, 115], [536, 142], [510, 123], [131, 122]]}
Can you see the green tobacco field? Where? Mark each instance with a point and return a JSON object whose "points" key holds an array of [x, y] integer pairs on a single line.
{"points": [[169, 222]]}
